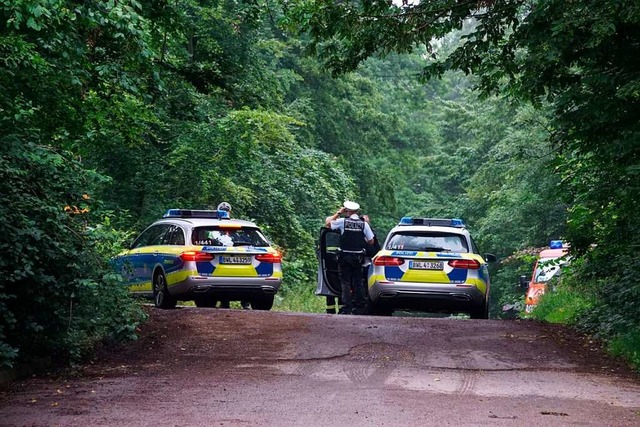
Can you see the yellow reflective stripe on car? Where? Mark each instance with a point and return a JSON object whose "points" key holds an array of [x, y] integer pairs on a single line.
{"points": [[179, 276], [140, 287], [229, 270], [479, 283], [431, 276], [376, 278], [172, 279], [164, 249]]}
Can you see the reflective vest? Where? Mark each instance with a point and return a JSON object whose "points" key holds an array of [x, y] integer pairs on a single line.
{"points": [[352, 238]]}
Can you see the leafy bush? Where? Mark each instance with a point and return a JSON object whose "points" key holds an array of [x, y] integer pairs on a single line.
{"points": [[506, 296], [57, 297], [298, 290], [608, 275], [627, 345]]}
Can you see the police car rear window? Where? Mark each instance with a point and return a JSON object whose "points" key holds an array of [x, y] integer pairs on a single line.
{"points": [[428, 242], [228, 236]]}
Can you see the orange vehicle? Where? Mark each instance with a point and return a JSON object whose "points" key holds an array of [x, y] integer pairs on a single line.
{"points": [[548, 266]]}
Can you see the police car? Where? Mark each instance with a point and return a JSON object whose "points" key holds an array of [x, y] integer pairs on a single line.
{"points": [[430, 264], [203, 256]]}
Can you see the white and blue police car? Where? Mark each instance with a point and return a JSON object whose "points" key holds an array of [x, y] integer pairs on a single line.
{"points": [[203, 256], [430, 264]]}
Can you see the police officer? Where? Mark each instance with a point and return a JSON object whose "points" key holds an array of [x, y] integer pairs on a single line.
{"points": [[355, 234]]}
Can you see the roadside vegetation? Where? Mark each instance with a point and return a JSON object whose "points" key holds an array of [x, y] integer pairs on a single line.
{"points": [[120, 110]]}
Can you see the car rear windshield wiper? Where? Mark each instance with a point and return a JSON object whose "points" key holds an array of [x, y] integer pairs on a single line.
{"points": [[435, 249], [242, 244]]}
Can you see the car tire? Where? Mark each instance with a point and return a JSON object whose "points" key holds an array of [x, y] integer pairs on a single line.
{"points": [[379, 310], [161, 296], [263, 303], [481, 312], [205, 302]]}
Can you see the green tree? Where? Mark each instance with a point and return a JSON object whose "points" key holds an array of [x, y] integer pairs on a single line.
{"points": [[575, 58]]}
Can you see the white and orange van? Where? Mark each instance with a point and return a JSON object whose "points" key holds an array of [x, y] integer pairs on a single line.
{"points": [[548, 265]]}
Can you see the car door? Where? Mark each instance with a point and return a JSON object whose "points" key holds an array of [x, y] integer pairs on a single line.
{"points": [[167, 251], [143, 256], [328, 275]]}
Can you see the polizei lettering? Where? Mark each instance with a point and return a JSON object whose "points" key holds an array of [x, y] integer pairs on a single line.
{"points": [[353, 225]]}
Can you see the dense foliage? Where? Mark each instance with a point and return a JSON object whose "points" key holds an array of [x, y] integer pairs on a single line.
{"points": [[575, 59], [148, 105]]}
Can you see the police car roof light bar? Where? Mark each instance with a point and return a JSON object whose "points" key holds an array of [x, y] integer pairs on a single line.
{"points": [[440, 222], [193, 213], [555, 244]]}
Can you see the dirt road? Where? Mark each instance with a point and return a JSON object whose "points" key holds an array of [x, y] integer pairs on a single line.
{"points": [[206, 367]]}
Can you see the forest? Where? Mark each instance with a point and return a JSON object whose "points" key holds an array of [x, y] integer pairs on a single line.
{"points": [[520, 116]]}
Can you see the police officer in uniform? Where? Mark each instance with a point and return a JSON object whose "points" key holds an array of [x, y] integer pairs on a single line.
{"points": [[355, 234]]}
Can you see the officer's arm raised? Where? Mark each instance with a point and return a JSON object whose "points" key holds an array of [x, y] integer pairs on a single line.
{"points": [[329, 219]]}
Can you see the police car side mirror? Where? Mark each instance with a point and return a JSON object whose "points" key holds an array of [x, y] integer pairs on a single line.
{"points": [[524, 282], [490, 257]]}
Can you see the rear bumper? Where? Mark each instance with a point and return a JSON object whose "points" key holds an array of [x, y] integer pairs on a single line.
{"points": [[225, 287], [427, 296]]}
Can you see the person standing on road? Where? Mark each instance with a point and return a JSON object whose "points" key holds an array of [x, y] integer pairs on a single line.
{"points": [[226, 206], [355, 234], [370, 251]]}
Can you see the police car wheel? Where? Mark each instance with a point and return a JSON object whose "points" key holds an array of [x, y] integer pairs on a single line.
{"points": [[263, 303], [379, 310], [480, 313], [161, 296], [206, 302]]}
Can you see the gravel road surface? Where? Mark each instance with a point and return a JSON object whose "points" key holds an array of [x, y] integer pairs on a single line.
{"points": [[216, 367]]}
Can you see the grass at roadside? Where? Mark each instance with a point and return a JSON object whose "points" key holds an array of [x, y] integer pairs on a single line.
{"points": [[569, 307], [628, 346], [562, 306], [300, 299]]}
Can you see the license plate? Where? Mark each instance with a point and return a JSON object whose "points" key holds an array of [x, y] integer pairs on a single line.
{"points": [[426, 265], [235, 260]]}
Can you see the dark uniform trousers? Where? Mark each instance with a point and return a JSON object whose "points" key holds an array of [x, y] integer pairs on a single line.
{"points": [[331, 304], [350, 265]]}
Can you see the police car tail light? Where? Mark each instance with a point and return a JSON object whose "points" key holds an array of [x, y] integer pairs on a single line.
{"points": [[388, 261], [196, 256], [269, 258], [469, 264]]}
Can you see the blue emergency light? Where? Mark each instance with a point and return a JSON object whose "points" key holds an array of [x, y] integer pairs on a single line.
{"points": [[457, 222], [439, 222], [555, 244], [193, 213]]}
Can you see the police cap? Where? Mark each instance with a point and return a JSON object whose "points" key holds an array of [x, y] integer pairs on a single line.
{"points": [[351, 206]]}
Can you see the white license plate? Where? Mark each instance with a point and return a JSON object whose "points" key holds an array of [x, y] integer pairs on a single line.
{"points": [[235, 260], [426, 265]]}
